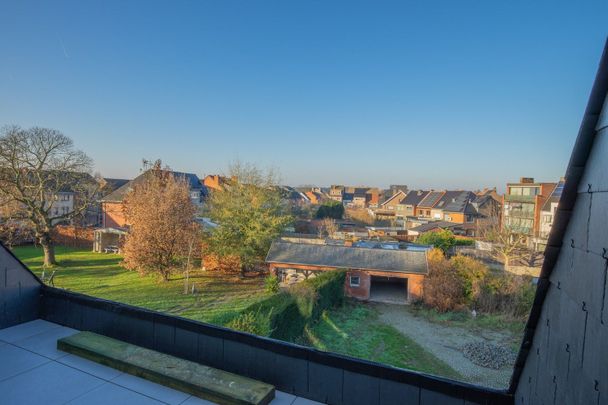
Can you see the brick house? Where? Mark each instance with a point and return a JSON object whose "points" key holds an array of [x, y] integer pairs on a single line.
{"points": [[375, 274], [112, 207], [406, 206], [373, 197], [336, 192], [315, 197], [215, 182], [457, 206]]}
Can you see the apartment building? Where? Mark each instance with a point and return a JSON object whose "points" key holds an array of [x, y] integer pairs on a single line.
{"points": [[522, 206]]}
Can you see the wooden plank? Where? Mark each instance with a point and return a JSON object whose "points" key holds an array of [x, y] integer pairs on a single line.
{"points": [[196, 379]]}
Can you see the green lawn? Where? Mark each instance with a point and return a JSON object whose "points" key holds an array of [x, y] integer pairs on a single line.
{"points": [[101, 275], [463, 319], [354, 330]]}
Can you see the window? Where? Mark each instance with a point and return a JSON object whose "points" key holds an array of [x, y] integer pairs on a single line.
{"points": [[355, 281], [515, 191]]}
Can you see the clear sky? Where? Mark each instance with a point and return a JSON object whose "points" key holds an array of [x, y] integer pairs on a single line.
{"points": [[430, 94]]}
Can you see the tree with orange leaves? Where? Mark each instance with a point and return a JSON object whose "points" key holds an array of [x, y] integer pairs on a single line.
{"points": [[162, 228]]}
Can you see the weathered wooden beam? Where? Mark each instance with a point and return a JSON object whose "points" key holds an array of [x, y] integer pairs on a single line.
{"points": [[196, 379]]}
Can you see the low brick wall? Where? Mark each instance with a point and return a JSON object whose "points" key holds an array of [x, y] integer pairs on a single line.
{"points": [[73, 236]]}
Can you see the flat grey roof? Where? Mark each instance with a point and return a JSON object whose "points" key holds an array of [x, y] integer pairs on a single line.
{"points": [[398, 261], [33, 371]]}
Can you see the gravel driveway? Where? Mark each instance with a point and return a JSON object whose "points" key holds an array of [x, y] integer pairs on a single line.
{"points": [[446, 343]]}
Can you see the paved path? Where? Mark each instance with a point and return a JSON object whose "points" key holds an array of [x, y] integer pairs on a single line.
{"points": [[445, 343]]}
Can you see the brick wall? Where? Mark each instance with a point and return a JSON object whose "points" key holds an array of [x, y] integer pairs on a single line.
{"points": [[73, 236], [414, 287], [361, 292], [113, 215], [414, 284]]}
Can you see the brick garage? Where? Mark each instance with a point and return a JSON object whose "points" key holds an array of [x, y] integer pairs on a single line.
{"points": [[383, 286], [387, 275]]}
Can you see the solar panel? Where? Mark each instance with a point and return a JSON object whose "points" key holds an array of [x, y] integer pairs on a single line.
{"points": [[557, 192], [431, 199]]}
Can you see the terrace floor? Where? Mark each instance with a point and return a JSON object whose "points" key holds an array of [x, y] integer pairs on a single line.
{"points": [[33, 371]]}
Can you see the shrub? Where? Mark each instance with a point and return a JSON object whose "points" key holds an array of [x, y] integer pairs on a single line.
{"points": [[443, 288], [226, 264], [271, 284], [452, 284], [462, 282], [257, 323], [443, 239], [472, 272], [285, 315], [330, 209], [507, 294], [464, 242]]}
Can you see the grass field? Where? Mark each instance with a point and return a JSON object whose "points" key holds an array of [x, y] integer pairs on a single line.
{"points": [[463, 319], [101, 275], [354, 330]]}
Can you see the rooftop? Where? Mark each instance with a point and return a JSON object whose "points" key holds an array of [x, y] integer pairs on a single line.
{"points": [[30, 358], [119, 194], [401, 261]]}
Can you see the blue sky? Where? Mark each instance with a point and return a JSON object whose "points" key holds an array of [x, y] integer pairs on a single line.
{"points": [[459, 94]]}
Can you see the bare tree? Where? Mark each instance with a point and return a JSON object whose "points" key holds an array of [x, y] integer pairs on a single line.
{"points": [[507, 245], [36, 166], [162, 226], [14, 227], [327, 227]]}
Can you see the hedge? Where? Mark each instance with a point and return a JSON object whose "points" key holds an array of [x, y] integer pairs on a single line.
{"points": [[284, 315]]}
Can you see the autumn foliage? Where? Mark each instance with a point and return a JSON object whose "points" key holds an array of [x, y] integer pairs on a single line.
{"points": [[463, 282], [225, 264], [443, 288], [163, 232]]}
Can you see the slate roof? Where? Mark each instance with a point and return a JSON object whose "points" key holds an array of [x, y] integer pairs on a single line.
{"points": [[578, 160], [119, 194], [115, 183], [456, 201], [431, 199], [111, 185], [434, 225], [399, 195], [398, 261], [554, 197], [414, 197]]}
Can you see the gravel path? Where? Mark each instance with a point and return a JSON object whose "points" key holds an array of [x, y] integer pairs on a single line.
{"points": [[446, 343]]}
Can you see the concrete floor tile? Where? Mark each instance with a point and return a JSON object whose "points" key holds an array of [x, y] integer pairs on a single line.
{"points": [[197, 401], [282, 398], [15, 360], [26, 330], [45, 344], [148, 388], [113, 394], [49, 384], [90, 367]]}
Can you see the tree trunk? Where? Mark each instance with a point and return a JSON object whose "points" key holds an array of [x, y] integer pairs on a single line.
{"points": [[49, 252]]}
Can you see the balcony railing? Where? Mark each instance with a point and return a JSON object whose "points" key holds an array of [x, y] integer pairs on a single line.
{"points": [[519, 198], [520, 214]]}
